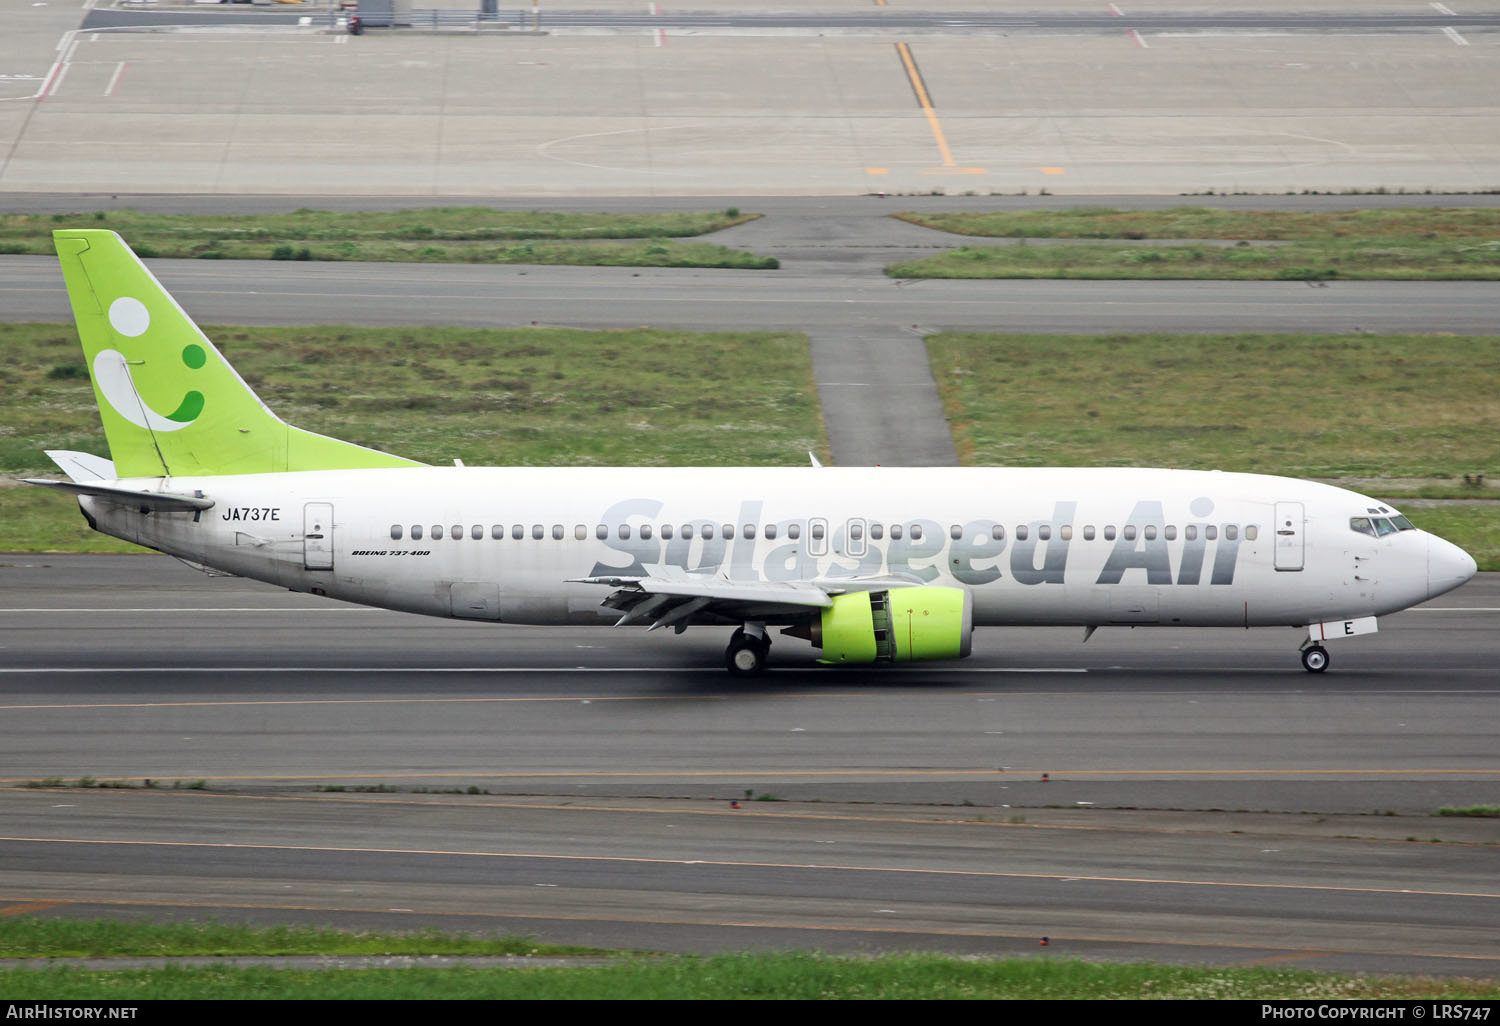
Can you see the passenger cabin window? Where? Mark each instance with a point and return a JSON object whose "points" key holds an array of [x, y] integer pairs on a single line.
{"points": [[1066, 532], [1151, 532], [916, 532], [1251, 532], [1021, 532], [998, 532], [1231, 531], [1044, 531], [517, 531], [1171, 532], [726, 531], [497, 531], [771, 532], [646, 531], [601, 532], [416, 532], [794, 531], [877, 531], [1088, 532], [748, 530], [1190, 532], [395, 532], [476, 532], [580, 532], [538, 532], [1210, 532], [557, 532], [895, 532], [437, 532], [1109, 532], [818, 530], [955, 531], [687, 531], [1130, 532], [666, 531]]}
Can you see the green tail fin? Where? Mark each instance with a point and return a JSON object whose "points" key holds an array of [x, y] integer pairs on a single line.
{"points": [[170, 402]]}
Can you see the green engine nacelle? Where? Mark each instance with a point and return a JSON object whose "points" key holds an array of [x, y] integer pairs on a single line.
{"points": [[897, 626]]}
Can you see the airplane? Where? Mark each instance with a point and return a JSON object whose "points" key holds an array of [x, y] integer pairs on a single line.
{"points": [[871, 565]]}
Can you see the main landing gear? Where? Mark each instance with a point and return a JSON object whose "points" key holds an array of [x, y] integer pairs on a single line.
{"points": [[1315, 659], [749, 647]]}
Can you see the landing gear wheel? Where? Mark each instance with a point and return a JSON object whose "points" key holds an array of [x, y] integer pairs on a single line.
{"points": [[746, 654], [1315, 659]]}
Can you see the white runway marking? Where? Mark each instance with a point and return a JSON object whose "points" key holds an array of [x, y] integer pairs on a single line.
{"points": [[114, 80], [1452, 34]]}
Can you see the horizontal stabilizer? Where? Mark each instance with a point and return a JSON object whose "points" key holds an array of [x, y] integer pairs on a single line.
{"points": [[83, 466], [159, 501]]}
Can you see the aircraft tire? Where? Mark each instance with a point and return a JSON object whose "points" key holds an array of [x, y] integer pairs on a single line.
{"points": [[1315, 659], [745, 656]]}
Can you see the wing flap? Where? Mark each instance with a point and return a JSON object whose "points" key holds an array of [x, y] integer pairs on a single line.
{"points": [[674, 599]]}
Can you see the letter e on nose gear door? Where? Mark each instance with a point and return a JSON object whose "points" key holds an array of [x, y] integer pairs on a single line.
{"points": [[317, 536], [1289, 536]]}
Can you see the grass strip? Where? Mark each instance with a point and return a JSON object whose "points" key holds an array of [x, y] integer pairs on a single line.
{"points": [[795, 975], [1319, 406], [435, 235], [491, 397], [32, 937], [1421, 244], [1466, 224], [1292, 261]]}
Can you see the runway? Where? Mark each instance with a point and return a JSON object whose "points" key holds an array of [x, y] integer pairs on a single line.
{"points": [[1206, 800]]}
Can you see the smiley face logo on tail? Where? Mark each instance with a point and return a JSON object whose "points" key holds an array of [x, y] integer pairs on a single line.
{"points": [[129, 317]]}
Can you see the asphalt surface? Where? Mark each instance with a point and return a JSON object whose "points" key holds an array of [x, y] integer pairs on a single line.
{"points": [[1205, 799]]}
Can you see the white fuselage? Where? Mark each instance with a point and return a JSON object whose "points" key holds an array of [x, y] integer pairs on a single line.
{"points": [[1033, 546]]}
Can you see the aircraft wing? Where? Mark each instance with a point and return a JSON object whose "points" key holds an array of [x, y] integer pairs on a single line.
{"points": [[671, 597]]}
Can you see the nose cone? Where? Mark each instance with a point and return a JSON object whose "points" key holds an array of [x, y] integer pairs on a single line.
{"points": [[1448, 566]]}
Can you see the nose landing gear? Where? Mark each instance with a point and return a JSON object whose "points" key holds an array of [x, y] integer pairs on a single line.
{"points": [[1315, 659]]}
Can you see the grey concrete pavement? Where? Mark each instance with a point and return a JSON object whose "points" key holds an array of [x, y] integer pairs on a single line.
{"points": [[1400, 97]]}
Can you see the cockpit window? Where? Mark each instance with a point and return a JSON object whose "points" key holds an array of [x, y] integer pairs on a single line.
{"points": [[1403, 524], [1362, 525], [1383, 526]]}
